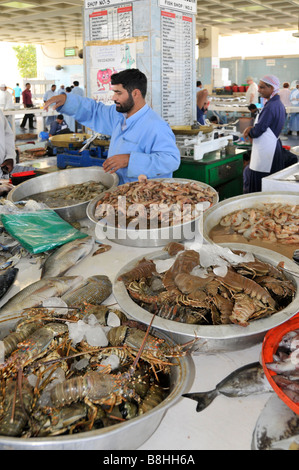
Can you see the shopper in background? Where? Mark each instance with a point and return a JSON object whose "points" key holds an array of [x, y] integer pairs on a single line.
{"points": [[142, 143], [266, 154], [7, 147], [284, 94], [61, 89], [49, 94], [253, 110], [251, 95], [198, 86], [17, 91], [294, 119], [6, 101], [77, 89], [202, 104], [27, 102]]}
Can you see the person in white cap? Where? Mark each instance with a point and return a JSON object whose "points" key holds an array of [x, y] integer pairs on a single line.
{"points": [[294, 119], [266, 154], [252, 96], [7, 148], [6, 100]]}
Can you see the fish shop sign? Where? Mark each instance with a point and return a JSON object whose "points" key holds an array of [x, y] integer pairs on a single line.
{"points": [[187, 6], [103, 3]]}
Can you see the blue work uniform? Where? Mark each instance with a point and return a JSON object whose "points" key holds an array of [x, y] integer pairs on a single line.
{"points": [[56, 127], [145, 136]]}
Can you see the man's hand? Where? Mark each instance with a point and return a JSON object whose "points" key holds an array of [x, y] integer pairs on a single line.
{"points": [[7, 165], [246, 132], [59, 100], [112, 164]]}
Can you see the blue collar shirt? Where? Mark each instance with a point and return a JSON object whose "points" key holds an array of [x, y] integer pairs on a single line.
{"points": [[145, 136]]}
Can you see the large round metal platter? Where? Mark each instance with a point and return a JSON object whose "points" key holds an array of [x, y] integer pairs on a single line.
{"points": [[61, 179], [188, 130], [152, 237], [128, 435], [212, 216], [274, 427], [67, 140], [212, 338]]}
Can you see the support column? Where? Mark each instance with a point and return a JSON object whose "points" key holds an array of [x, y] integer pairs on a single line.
{"points": [[207, 58]]}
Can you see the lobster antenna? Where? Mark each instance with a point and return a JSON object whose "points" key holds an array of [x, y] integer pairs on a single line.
{"points": [[143, 343]]}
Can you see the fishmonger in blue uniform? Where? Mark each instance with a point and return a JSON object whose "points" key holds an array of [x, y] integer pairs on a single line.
{"points": [[142, 143]]}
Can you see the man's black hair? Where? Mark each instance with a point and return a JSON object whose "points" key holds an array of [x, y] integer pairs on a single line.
{"points": [[130, 79], [252, 107], [60, 116]]}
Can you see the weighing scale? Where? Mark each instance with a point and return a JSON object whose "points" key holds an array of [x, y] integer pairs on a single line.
{"points": [[75, 150], [203, 158]]}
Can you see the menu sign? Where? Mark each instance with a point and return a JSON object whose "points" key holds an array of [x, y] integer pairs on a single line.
{"points": [[111, 24], [176, 67]]}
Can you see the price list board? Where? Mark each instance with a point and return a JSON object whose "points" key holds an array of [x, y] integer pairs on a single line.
{"points": [[176, 67], [113, 23]]}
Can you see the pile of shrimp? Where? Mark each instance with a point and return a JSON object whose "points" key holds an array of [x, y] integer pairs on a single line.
{"points": [[270, 222], [170, 203]]}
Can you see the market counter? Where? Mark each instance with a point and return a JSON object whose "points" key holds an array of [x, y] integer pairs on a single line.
{"points": [[225, 174], [228, 423]]}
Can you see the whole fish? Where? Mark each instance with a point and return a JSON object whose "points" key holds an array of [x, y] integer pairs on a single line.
{"points": [[7, 279], [66, 256], [34, 294], [245, 381], [94, 291]]}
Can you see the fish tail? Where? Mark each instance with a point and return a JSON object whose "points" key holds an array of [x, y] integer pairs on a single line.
{"points": [[203, 399]]}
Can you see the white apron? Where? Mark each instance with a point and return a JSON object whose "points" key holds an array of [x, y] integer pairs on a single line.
{"points": [[263, 149]]}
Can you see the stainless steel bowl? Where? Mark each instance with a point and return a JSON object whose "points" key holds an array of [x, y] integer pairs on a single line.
{"points": [[214, 214], [61, 179], [213, 338], [147, 238], [128, 435]]}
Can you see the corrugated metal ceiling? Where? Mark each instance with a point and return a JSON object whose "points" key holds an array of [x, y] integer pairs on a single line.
{"points": [[46, 22]]}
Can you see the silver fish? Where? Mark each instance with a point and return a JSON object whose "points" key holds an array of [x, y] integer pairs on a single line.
{"points": [[94, 291], [66, 256], [7, 279], [245, 381], [34, 294]]}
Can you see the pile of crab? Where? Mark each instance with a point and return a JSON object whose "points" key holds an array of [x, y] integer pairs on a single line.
{"points": [[53, 382], [195, 287]]}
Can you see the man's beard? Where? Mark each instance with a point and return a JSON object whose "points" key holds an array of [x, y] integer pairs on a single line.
{"points": [[127, 106]]}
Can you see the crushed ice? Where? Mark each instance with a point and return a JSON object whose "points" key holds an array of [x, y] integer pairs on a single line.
{"points": [[89, 330], [56, 304]]}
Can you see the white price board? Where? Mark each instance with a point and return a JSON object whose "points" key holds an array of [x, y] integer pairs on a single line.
{"points": [[176, 67], [111, 23]]}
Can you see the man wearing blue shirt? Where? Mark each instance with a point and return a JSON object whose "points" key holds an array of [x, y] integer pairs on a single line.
{"points": [[59, 126], [142, 143], [17, 91]]}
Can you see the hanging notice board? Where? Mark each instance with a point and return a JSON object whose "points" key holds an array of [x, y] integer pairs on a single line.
{"points": [[106, 59]]}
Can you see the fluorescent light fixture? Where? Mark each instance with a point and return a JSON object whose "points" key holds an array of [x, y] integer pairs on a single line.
{"points": [[19, 5], [252, 8], [226, 20]]}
